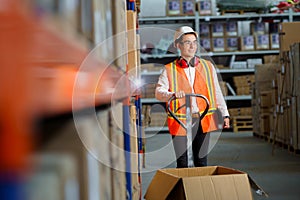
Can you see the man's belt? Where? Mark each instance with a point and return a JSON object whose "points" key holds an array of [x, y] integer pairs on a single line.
{"points": [[195, 115]]}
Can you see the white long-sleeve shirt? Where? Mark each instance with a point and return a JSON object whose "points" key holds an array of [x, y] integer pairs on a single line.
{"points": [[162, 92]]}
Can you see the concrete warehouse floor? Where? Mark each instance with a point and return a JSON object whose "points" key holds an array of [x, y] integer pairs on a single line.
{"points": [[278, 175]]}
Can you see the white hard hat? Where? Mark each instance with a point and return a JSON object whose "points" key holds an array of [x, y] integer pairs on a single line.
{"points": [[184, 30]]}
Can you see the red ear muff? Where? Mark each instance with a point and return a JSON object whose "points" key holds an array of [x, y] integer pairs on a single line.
{"points": [[184, 64]]}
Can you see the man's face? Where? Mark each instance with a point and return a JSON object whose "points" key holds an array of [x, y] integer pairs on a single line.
{"points": [[188, 45]]}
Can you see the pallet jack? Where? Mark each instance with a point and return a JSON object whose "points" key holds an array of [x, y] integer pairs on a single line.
{"points": [[189, 124]]}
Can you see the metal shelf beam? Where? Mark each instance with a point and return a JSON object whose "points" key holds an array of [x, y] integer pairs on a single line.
{"points": [[231, 98]]}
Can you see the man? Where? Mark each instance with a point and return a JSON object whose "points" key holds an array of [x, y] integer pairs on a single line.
{"points": [[191, 74]]}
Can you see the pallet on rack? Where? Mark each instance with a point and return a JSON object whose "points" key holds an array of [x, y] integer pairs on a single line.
{"points": [[241, 12], [242, 123]]}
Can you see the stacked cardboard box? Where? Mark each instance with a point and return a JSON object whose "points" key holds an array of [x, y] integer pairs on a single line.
{"points": [[219, 36], [119, 23], [117, 155], [180, 7], [271, 59], [264, 98], [282, 91], [247, 43], [55, 176], [288, 35], [149, 90], [205, 36], [243, 111], [132, 53], [205, 7], [134, 153], [158, 119], [88, 152], [224, 88], [151, 67], [287, 116], [243, 84], [232, 43], [294, 94], [173, 7], [276, 99], [146, 118]]}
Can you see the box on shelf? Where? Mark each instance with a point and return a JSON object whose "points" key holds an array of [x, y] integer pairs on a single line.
{"points": [[173, 7], [158, 8], [146, 115], [151, 67], [247, 43], [158, 119], [204, 30], [242, 81], [251, 62], [239, 65], [204, 7], [52, 175], [231, 29], [265, 76], [148, 90], [271, 59], [244, 84], [257, 28], [205, 43], [262, 42], [244, 111], [188, 7], [217, 29], [247, 90], [265, 99], [224, 88], [211, 183], [218, 44], [132, 56], [232, 43], [274, 41]]}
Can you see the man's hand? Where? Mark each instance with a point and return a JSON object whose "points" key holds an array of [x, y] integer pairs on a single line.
{"points": [[179, 94], [226, 123]]}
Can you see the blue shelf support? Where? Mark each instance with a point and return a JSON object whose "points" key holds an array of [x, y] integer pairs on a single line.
{"points": [[126, 128], [138, 106]]}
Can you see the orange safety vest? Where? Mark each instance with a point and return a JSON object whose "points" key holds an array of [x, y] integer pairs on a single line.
{"points": [[203, 84]]}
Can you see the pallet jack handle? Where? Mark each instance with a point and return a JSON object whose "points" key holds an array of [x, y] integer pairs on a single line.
{"points": [[188, 108]]}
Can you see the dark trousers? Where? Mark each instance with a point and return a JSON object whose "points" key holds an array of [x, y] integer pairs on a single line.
{"points": [[199, 147]]}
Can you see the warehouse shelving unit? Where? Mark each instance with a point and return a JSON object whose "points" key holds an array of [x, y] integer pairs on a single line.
{"points": [[290, 16], [232, 101], [60, 134]]}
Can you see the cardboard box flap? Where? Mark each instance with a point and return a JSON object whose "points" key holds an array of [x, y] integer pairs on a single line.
{"points": [[225, 187], [196, 171], [258, 190], [226, 170], [161, 185]]}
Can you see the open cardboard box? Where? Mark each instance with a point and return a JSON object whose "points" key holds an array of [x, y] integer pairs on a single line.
{"points": [[207, 183]]}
